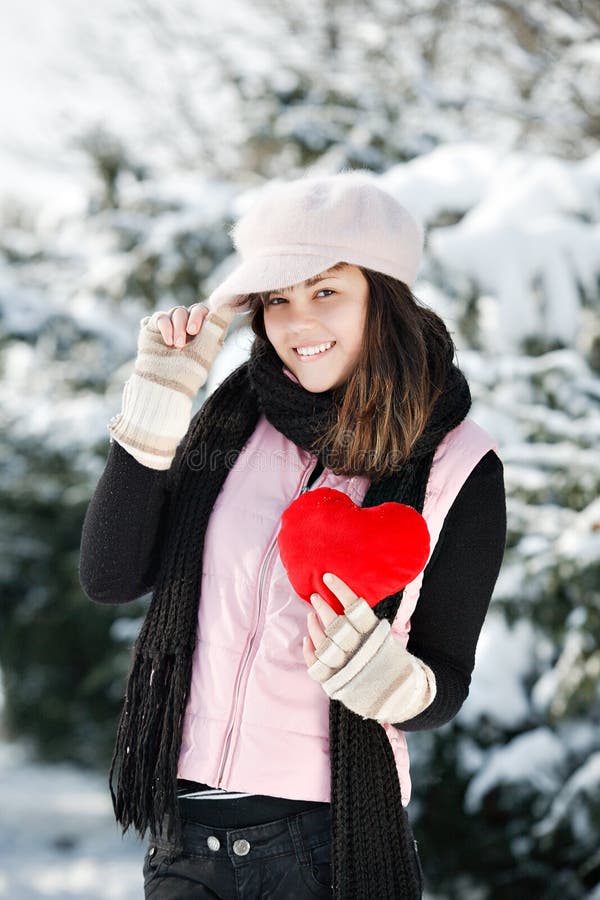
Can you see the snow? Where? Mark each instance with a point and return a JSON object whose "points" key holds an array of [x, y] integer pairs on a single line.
{"points": [[582, 540], [572, 803], [452, 178], [532, 231], [58, 837], [68, 424], [503, 661], [234, 353], [535, 758]]}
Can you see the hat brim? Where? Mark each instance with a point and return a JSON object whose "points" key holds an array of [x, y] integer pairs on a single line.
{"points": [[267, 273]]}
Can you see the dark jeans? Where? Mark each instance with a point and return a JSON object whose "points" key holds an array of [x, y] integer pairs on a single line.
{"points": [[288, 859], [280, 860]]}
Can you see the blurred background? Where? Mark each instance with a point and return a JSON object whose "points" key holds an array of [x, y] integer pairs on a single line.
{"points": [[133, 133]]}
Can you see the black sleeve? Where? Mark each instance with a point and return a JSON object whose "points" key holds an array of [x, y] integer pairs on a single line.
{"points": [[123, 530], [457, 589]]}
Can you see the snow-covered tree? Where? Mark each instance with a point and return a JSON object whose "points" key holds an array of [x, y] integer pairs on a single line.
{"points": [[522, 756], [269, 86]]}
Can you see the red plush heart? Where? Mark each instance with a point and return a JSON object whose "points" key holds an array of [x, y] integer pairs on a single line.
{"points": [[376, 550]]}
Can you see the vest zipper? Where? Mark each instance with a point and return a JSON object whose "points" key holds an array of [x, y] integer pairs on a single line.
{"points": [[247, 655]]}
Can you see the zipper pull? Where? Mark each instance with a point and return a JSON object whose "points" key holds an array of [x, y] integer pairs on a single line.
{"points": [[305, 488], [316, 471]]}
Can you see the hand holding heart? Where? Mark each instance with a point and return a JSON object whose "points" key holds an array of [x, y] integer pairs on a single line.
{"points": [[351, 651], [329, 647], [358, 660]]}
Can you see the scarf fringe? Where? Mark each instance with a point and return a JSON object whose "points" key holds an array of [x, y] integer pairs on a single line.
{"points": [[143, 773]]}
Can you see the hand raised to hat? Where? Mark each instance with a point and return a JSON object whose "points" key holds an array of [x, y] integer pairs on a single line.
{"points": [[358, 660], [182, 325], [175, 351], [179, 325]]}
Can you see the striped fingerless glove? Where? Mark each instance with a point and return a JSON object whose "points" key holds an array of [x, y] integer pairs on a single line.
{"points": [[364, 666], [157, 398]]}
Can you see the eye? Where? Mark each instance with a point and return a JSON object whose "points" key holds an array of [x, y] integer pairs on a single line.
{"points": [[272, 300]]}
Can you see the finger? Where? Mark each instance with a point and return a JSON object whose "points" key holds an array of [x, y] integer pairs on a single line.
{"points": [[361, 616], [165, 326], [314, 629], [325, 612], [198, 313], [344, 634], [179, 318], [345, 595], [317, 669], [308, 651], [326, 650]]}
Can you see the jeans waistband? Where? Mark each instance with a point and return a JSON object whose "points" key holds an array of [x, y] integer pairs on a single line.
{"points": [[295, 834], [235, 813]]}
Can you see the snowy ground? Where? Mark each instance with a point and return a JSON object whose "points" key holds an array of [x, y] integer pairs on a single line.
{"points": [[58, 837]]}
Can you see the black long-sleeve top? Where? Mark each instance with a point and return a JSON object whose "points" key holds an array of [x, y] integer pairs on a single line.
{"points": [[124, 528]]}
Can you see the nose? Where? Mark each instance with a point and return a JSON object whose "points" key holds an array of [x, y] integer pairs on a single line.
{"points": [[301, 320]]}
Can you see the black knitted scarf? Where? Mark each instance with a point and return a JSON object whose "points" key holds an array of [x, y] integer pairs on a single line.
{"points": [[371, 852]]}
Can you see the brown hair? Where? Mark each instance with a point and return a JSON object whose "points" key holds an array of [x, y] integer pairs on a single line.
{"points": [[385, 403]]}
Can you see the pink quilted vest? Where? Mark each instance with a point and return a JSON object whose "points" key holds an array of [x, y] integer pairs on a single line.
{"points": [[255, 721]]}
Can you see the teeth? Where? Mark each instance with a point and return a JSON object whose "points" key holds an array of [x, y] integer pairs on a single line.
{"points": [[311, 351]]}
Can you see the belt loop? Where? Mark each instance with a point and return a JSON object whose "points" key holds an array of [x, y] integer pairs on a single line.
{"points": [[297, 840]]}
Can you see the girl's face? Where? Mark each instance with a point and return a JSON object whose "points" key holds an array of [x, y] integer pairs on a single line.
{"points": [[329, 309]]}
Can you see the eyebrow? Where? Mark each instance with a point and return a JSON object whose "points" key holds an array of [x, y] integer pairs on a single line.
{"points": [[310, 282]]}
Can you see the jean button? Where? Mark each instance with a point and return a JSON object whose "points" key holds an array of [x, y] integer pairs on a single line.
{"points": [[241, 848], [213, 842]]}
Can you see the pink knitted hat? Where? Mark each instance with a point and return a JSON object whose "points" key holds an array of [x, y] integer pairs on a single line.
{"points": [[298, 229]]}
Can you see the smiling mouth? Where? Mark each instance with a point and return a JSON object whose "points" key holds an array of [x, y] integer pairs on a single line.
{"points": [[315, 352]]}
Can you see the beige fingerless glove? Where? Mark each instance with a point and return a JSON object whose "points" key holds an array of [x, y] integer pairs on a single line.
{"points": [[157, 398], [364, 666]]}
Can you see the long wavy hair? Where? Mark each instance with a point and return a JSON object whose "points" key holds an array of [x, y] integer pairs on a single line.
{"points": [[385, 403]]}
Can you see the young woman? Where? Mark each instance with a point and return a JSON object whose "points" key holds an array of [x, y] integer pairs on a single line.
{"points": [[264, 749]]}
